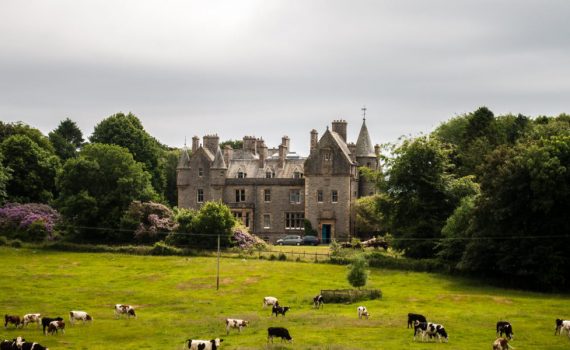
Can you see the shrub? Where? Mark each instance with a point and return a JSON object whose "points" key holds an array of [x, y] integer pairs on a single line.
{"points": [[244, 240], [282, 256], [148, 220], [29, 222], [160, 248], [357, 275]]}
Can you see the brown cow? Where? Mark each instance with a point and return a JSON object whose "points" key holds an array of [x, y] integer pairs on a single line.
{"points": [[501, 344], [12, 319], [54, 326]]}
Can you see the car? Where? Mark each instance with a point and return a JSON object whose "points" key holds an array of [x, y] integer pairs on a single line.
{"points": [[290, 240], [311, 240]]}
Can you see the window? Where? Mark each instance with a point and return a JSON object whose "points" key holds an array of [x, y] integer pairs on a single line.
{"points": [[267, 195], [334, 196], [327, 155], [241, 175], [269, 174], [266, 221], [200, 196], [297, 174], [294, 221], [240, 195], [200, 172], [320, 196], [295, 196]]}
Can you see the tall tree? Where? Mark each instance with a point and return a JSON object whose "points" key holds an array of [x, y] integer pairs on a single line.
{"points": [[170, 165], [33, 170], [19, 128], [66, 139], [97, 187], [5, 176]]}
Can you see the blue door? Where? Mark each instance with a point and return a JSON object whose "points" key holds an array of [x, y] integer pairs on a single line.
{"points": [[326, 234]]}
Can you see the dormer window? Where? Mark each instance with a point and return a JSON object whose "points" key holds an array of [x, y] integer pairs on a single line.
{"points": [[241, 174], [200, 172], [297, 174], [269, 174]]}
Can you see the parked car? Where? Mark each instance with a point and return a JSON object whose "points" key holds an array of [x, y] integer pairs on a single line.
{"points": [[290, 240], [311, 240]]}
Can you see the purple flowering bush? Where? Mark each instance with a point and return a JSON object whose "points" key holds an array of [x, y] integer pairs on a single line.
{"points": [[243, 240], [29, 222], [148, 220]]}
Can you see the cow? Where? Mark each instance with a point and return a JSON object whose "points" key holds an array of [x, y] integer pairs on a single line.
{"points": [[55, 326], [47, 320], [235, 323], [267, 301], [505, 327], [79, 315], [501, 344], [279, 310], [33, 346], [415, 317], [318, 301], [278, 332], [204, 344], [431, 330], [31, 318], [123, 309], [562, 325], [13, 319], [14, 344], [362, 312]]}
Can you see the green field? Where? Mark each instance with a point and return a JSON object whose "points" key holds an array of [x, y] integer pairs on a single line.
{"points": [[176, 299]]}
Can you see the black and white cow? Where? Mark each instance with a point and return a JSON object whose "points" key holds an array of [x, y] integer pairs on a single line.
{"points": [[79, 315], [318, 301], [501, 344], [505, 327], [204, 344], [279, 310], [362, 312], [270, 301], [561, 326], [235, 323], [33, 346], [55, 326], [14, 344], [430, 329], [278, 332], [412, 318], [123, 309], [47, 320], [31, 318], [12, 319]]}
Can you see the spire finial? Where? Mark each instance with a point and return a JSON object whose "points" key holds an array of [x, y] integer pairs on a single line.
{"points": [[184, 141], [363, 113]]}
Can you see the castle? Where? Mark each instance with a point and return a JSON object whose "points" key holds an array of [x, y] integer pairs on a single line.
{"points": [[274, 190]]}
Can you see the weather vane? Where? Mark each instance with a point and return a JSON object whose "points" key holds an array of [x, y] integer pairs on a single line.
{"points": [[364, 112]]}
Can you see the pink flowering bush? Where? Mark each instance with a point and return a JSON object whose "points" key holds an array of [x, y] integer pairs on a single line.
{"points": [[149, 221], [243, 240], [29, 222]]}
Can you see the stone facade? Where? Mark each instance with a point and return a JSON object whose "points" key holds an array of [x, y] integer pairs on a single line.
{"points": [[273, 190]]}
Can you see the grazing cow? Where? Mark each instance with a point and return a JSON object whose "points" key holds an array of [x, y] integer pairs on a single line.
{"points": [[33, 346], [362, 312], [412, 318], [318, 301], [267, 301], [55, 326], [47, 320], [505, 327], [235, 323], [278, 332], [431, 330], [204, 344], [122, 309], [279, 310], [562, 325], [7, 345], [79, 315], [31, 318], [13, 319], [501, 344]]}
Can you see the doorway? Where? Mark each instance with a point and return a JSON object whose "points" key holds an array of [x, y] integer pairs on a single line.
{"points": [[326, 233]]}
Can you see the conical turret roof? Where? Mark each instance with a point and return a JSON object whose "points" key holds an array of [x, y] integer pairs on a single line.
{"points": [[363, 144], [184, 160], [219, 162]]}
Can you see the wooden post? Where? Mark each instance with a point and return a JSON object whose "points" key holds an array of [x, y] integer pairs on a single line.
{"points": [[218, 274]]}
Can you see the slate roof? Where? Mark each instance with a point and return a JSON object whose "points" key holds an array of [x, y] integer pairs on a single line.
{"points": [[363, 144]]}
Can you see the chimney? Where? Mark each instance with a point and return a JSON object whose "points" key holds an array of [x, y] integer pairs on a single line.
{"points": [[249, 143], [228, 153], [262, 150], [282, 155], [339, 126], [211, 143], [352, 149], [314, 139], [285, 143], [195, 143]]}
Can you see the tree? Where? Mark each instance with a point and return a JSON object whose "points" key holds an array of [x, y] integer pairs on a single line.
{"points": [[213, 219], [148, 221], [170, 165], [127, 131], [357, 274], [11, 129], [5, 176], [97, 187], [66, 139], [33, 170], [235, 144], [369, 218]]}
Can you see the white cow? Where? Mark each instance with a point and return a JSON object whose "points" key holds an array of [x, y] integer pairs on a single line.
{"points": [[79, 315], [561, 326], [31, 318], [235, 323], [362, 312], [204, 344], [270, 301], [123, 309]]}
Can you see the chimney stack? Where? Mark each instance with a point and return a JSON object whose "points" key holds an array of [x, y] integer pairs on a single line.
{"points": [[314, 139], [195, 143], [339, 126]]}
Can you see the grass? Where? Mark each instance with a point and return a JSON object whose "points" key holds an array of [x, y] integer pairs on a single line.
{"points": [[176, 299]]}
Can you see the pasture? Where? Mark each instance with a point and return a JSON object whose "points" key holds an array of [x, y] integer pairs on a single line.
{"points": [[176, 299]]}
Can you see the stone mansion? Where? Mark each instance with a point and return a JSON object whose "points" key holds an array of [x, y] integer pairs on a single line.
{"points": [[273, 190]]}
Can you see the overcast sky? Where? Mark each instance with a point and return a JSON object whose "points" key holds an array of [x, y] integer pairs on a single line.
{"points": [[272, 68]]}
